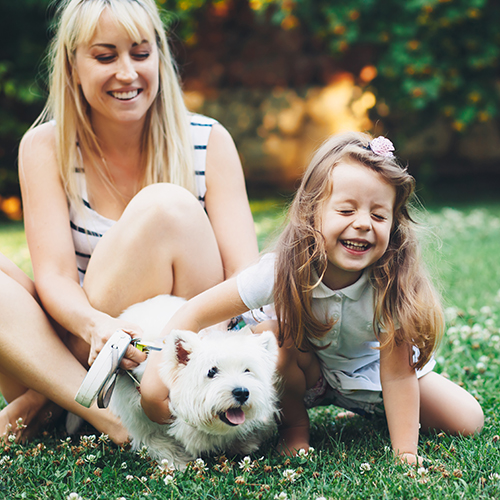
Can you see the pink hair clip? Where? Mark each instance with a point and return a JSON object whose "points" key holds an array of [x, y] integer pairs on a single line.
{"points": [[381, 146]]}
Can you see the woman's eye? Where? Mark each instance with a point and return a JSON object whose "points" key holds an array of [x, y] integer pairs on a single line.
{"points": [[105, 58], [141, 55]]}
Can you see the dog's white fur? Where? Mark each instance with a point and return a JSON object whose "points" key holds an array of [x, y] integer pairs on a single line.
{"points": [[214, 378]]}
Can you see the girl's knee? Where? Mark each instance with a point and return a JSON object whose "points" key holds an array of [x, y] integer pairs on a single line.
{"points": [[471, 419]]}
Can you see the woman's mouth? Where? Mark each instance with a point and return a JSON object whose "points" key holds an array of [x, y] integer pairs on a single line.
{"points": [[125, 96], [356, 246]]}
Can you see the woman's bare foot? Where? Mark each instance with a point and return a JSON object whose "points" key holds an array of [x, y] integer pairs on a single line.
{"points": [[24, 417]]}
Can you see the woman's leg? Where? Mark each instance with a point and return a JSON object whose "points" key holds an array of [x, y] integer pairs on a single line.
{"points": [[299, 371], [32, 355], [446, 406], [163, 243]]}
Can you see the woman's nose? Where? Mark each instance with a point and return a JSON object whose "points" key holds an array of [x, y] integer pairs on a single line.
{"points": [[126, 70]]}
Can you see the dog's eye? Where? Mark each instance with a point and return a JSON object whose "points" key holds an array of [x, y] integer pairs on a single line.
{"points": [[212, 372], [247, 371]]}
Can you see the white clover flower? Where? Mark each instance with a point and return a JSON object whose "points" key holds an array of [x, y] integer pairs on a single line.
{"points": [[486, 310], [494, 476], [321, 498], [91, 459], [143, 452], [165, 466], [480, 367], [124, 465], [168, 480], [453, 330], [12, 438], [246, 464], [290, 475], [143, 479], [4, 460], [199, 464], [477, 328], [450, 313], [19, 423], [302, 453], [73, 496], [465, 330], [121, 498], [86, 440], [104, 438], [129, 477], [422, 471], [281, 496], [490, 324], [365, 467]]}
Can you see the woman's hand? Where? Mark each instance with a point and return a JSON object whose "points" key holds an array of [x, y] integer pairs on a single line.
{"points": [[154, 392], [101, 333]]}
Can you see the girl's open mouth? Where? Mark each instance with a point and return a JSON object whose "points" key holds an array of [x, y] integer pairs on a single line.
{"points": [[356, 246]]}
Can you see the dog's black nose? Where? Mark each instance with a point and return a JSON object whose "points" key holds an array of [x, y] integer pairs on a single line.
{"points": [[241, 394]]}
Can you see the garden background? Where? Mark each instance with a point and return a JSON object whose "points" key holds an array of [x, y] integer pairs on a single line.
{"points": [[281, 75]]}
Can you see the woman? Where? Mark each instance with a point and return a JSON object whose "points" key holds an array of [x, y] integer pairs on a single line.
{"points": [[110, 165]]}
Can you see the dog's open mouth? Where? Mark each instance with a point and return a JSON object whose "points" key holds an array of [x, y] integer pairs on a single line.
{"points": [[233, 416]]}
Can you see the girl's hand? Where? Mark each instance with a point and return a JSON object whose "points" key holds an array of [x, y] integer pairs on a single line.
{"points": [[103, 331], [410, 458]]}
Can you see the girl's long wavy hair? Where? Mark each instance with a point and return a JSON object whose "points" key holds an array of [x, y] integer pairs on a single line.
{"points": [[166, 143], [407, 306]]}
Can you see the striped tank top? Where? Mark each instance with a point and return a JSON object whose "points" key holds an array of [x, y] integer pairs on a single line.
{"points": [[88, 226]]}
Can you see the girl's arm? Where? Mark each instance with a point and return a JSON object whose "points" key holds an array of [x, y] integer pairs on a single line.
{"points": [[401, 400], [206, 309], [227, 203], [46, 219]]}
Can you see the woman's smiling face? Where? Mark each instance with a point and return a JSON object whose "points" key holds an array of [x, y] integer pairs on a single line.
{"points": [[356, 222], [119, 76]]}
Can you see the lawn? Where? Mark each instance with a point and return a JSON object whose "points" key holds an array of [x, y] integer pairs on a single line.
{"points": [[351, 458]]}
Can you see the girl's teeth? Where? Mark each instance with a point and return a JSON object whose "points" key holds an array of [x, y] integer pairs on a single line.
{"points": [[355, 246], [125, 95]]}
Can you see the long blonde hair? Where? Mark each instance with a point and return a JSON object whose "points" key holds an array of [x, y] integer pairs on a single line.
{"points": [[166, 143], [407, 305]]}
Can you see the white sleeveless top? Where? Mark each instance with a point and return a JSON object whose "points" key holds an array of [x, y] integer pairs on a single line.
{"points": [[88, 226]]}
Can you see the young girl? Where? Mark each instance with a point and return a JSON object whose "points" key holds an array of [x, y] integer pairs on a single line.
{"points": [[126, 195], [358, 319]]}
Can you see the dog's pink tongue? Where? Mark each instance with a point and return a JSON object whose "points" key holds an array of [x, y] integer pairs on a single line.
{"points": [[235, 416]]}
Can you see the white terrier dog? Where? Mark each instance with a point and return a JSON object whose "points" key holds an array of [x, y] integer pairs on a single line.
{"points": [[222, 389]]}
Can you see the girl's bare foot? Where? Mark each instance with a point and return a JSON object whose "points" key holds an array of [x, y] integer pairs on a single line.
{"points": [[293, 439], [24, 417], [344, 414]]}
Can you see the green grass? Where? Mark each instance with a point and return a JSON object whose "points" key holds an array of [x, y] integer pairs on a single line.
{"points": [[351, 458]]}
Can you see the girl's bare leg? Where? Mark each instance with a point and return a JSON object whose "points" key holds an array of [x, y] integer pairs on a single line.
{"points": [[32, 355], [299, 371], [446, 406], [163, 243]]}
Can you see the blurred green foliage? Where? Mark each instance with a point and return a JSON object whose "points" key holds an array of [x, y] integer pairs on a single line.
{"points": [[432, 57]]}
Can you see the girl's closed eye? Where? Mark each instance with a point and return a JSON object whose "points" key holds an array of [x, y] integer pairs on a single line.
{"points": [[379, 217]]}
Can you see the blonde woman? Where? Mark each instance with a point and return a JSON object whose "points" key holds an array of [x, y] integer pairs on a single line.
{"points": [[126, 195]]}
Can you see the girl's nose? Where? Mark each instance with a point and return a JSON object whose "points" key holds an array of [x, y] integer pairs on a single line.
{"points": [[362, 222], [126, 70]]}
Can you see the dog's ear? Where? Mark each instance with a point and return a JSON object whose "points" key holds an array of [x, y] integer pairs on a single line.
{"points": [[181, 352], [268, 341], [184, 342]]}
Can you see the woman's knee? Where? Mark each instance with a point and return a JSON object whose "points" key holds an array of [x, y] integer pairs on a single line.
{"points": [[164, 206]]}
